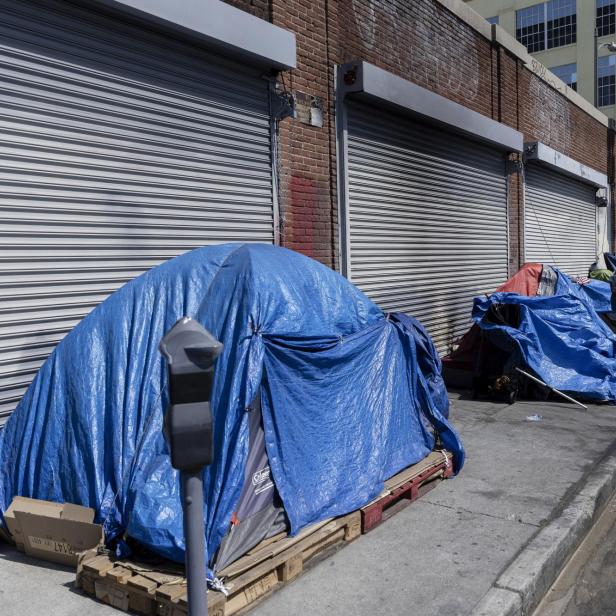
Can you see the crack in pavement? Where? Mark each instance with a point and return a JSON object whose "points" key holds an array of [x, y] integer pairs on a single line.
{"points": [[508, 588], [487, 515]]}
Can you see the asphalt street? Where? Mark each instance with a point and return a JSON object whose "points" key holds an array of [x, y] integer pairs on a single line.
{"points": [[587, 584]]}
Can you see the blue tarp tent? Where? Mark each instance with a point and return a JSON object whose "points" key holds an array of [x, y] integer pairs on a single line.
{"points": [[344, 402], [561, 337]]}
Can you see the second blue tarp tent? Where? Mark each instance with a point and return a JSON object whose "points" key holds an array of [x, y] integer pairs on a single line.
{"points": [[558, 328], [347, 397]]}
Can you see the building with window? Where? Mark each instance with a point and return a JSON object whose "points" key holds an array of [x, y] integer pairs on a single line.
{"points": [[560, 34]]}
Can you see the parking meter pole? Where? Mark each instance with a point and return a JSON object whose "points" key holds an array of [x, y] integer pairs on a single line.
{"points": [[191, 353], [194, 537]]}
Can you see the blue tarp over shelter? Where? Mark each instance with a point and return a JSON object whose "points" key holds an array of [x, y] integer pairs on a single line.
{"points": [[561, 337], [344, 402]]}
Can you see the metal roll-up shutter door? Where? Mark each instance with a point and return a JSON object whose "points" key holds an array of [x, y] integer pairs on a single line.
{"points": [[119, 149], [427, 219], [560, 220]]}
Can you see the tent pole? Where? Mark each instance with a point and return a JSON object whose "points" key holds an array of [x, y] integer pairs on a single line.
{"points": [[556, 391]]}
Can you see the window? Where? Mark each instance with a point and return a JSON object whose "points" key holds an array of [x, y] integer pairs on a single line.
{"points": [[606, 81], [562, 26], [567, 73], [492, 20], [530, 27], [606, 17], [547, 25]]}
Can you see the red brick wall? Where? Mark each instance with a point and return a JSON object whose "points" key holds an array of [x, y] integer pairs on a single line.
{"points": [[424, 43], [547, 116], [306, 196], [258, 8], [506, 96], [415, 40]]}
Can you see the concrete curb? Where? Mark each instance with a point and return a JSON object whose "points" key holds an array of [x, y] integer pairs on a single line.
{"points": [[522, 585]]}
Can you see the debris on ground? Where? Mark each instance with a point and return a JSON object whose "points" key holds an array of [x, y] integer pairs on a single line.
{"points": [[535, 417]]}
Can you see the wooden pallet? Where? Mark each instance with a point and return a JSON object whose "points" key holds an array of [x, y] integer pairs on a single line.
{"points": [[406, 487], [138, 588], [135, 587]]}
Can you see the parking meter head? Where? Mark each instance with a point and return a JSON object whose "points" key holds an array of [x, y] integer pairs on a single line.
{"points": [[191, 352]]}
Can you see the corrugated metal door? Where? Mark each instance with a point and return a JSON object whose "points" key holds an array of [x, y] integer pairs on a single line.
{"points": [[560, 220], [427, 219], [119, 148]]}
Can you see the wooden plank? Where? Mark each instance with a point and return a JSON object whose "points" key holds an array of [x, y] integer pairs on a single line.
{"points": [[142, 604], [265, 567], [215, 610], [353, 528], [162, 578], [433, 468], [269, 551], [119, 575], [83, 557], [251, 593], [99, 565], [261, 569], [86, 584], [289, 542], [142, 583], [170, 592], [120, 586], [141, 596], [435, 459], [167, 608], [266, 542], [322, 545], [216, 602], [291, 568], [111, 594], [166, 569]]}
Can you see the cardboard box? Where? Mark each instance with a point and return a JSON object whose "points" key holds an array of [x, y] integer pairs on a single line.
{"points": [[52, 531], [22, 503]]}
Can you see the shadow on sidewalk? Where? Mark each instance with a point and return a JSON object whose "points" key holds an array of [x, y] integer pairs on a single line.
{"points": [[11, 553]]}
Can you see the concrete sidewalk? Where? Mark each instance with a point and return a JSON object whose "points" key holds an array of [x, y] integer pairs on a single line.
{"points": [[443, 553]]}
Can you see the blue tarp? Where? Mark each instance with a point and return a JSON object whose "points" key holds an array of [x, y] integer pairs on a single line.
{"points": [[597, 292], [561, 338], [345, 404]]}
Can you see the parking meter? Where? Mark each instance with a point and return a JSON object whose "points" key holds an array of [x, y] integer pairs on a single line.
{"points": [[191, 353]]}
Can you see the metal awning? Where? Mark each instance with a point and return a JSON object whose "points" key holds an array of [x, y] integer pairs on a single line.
{"points": [[363, 80], [541, 153], [217, 24]]}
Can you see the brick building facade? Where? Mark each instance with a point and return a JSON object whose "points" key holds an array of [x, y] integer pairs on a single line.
{"points": [[428, 43], [137, 131]]}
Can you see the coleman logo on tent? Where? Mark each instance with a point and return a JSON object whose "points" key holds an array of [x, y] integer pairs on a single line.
{"points": [[261, 480]]}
